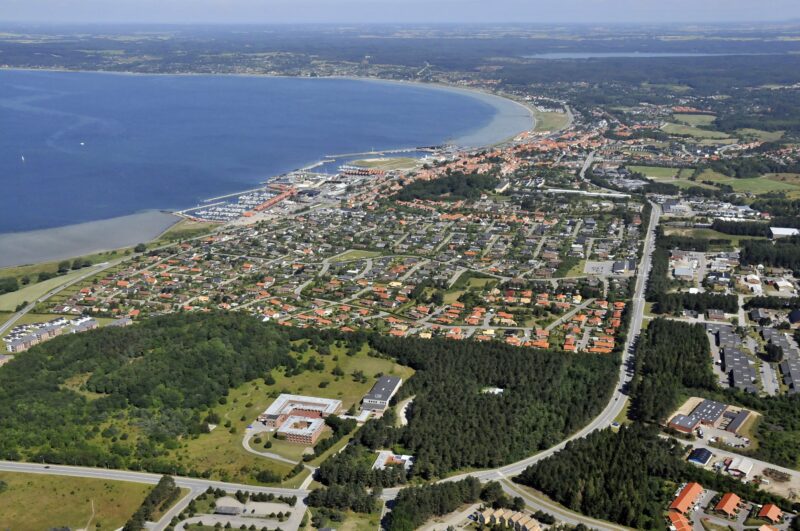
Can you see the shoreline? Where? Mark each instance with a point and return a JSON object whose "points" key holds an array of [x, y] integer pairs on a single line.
{"points": [[81, 239], [70, 241]]}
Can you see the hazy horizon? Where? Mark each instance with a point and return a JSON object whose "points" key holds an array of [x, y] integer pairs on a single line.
{"points": [[171, 12]]}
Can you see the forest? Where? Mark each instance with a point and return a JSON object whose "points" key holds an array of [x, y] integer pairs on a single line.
{"points": [[545, 397], [153, 380], [670, 356], [784, 252]]}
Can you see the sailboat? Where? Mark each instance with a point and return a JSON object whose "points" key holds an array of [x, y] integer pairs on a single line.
{"points": [[23, 158]]}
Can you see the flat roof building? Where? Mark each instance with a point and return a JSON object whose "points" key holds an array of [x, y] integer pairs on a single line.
{"points": [[700, 456], [309, 407], [381, 393]]}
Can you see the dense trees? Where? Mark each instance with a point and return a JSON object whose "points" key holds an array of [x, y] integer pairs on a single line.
{"points": [[414, 505], [781, 253], [546, 396], [8, 284], [160, 498], [670, 355], [353, 466], [451, 187], [741, 228]]}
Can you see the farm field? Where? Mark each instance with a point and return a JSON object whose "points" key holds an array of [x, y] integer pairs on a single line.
{"points": [[758, 134], [35, 502], [676, 176]]}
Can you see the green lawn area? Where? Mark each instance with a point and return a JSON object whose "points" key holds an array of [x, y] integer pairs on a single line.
{"points": [[758, 185], [695, 119], [549, 121], [183, 230], [472, 279], [759, 134], [678, 129], [389, 163], [656, 172], [222, 451], [31, 292], [354, 254], [35, 502], [352, 521]]}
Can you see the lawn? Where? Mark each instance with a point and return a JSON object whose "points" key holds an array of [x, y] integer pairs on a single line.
{"points": [[222, 451], [688, 130], [695, 119], [354, 254], [183, 230], [37, 502], [550, 121]]}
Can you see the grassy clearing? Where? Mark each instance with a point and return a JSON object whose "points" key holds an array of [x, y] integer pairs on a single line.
{"points": [[390, 163], [759, 134], [789, 183], [35, 502], [9, 301], [709, 234], [656, 172], [354, 254], [32, 270], [184, 229], [550, 121], [688, 130], [694, 119], [221, 450]]}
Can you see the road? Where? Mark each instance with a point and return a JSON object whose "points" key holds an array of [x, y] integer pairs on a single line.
{"points": [[196, 485]]}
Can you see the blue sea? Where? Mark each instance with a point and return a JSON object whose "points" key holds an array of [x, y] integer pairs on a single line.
{"points": [[78, 147]]}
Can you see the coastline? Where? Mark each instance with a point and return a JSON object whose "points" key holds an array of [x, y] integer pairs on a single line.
{"points": [[58, 243], [70, 241]]}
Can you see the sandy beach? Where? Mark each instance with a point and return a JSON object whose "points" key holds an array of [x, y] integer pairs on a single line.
{"points": [[19, 248]]}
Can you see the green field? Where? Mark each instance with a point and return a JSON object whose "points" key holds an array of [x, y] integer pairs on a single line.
{"points": [[31, 292], [183, 230], [222, 450], [708, 234], [354, 254], [678, 129], [789, 183], [759, 134], [389, 163], [549, 121], [676, 176], [35, 502], [695, 119]]}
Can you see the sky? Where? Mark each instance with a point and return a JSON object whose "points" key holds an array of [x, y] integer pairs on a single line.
{"points": [[396, 11]]}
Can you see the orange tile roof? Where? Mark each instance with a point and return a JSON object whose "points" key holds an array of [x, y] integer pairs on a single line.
{"points": [[687, 497], [679, 522], [771, 512], [728, 504]]}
